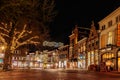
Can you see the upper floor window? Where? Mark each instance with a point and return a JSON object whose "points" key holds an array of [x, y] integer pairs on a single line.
{"points": [[117, 18], [110, 38], [103, 27], [110, 23]]}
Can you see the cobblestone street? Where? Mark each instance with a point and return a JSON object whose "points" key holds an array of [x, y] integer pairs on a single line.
{"points": [[49, 74]]}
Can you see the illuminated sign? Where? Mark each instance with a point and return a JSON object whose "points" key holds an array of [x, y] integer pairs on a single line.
{"points": [[52, 44], [118, 35]]}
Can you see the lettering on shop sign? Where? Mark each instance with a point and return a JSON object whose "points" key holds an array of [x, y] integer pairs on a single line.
{"points": [[52, 44]]}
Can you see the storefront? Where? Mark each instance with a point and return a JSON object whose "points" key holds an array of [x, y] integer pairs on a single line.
{"points": [[90, 58], [109, 59], [63, 64], [81, 61]]}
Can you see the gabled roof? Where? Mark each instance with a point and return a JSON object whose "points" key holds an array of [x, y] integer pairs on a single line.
{"points": [[93, 31]]}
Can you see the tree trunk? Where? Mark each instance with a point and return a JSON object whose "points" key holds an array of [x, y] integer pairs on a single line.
{"points": [[8, 56], [6, 64]]}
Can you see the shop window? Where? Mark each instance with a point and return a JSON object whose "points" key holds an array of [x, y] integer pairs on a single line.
{"points": [[110, 56], [113, 55], [104, 56]]}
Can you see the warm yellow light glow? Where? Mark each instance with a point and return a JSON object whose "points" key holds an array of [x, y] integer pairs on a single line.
{"points": [[108, 63], [2, 47]]}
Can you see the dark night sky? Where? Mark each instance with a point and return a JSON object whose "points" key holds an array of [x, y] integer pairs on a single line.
{"points": [[80, 12]]}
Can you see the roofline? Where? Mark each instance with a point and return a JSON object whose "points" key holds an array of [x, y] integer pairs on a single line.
{"points": [[110, 14]]}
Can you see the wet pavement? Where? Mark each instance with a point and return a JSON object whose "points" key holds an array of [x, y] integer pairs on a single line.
{"points": [[50, 74]]}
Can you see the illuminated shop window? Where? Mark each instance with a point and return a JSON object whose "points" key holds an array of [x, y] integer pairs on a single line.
{"points": [[113, 55], [104, 56], [107, 56], [110, 55]]}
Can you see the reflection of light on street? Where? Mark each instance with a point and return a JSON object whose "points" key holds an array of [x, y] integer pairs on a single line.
{"points": [[60, 76], [60, 79]]}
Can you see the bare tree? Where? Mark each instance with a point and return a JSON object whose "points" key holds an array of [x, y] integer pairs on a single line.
{"points": [[25, 14], [19, 38]]}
